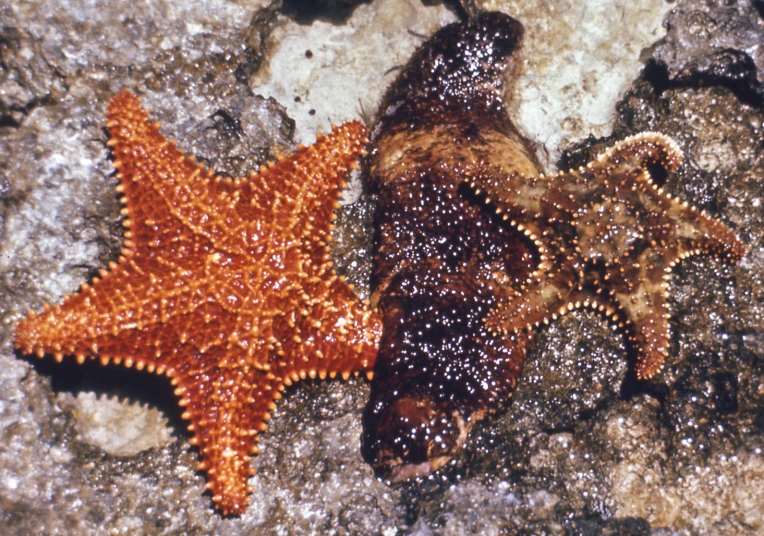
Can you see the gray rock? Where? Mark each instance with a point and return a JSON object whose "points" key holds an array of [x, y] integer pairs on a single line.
{"points": [[707, 43], [578, 60]]}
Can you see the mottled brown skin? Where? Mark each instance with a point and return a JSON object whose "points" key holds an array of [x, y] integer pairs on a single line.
{"points": [[608, 238], [476, 248], [439, 369]]}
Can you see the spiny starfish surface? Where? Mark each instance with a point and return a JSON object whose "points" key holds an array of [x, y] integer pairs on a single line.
{"points": [[225, 286], [608, 238]]}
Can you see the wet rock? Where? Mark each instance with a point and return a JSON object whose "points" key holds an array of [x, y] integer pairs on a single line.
{"points": [[714, 45]]}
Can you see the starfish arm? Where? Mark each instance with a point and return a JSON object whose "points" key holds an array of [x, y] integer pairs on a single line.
{"points": [[295, 192], [124, 319], [297, 195], [303, 188], [523, 202], [518, 198], [127, 300], [177, 195], [662, 219], [639, 290], [693, 232], [335, 333], [552, 290], [227, 409], [639, 150]]}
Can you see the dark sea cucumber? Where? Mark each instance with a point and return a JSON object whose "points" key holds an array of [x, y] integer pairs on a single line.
{"points": [[438, 253]]}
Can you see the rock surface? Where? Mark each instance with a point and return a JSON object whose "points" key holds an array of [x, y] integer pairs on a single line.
{"points": [[585, 449]]}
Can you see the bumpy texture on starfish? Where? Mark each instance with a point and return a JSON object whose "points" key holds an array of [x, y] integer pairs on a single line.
{"points": [[223, 285], [608, 238]]}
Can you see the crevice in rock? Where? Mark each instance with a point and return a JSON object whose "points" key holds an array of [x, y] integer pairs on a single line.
{"points": [[730, 69], [308, 11]]}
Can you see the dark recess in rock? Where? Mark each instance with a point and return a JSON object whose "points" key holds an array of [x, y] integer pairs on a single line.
{"points": [[308, 11], [24, 85], [595, 525], [256, 41], [711, 46], [732, 69], [463, 8], [759, 5]]}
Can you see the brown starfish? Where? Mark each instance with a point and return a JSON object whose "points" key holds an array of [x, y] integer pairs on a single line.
{"points": [[608, 238], [223, 285]]}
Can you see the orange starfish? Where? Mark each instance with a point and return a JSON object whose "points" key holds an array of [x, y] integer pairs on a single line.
{"points": [[223, 285]]}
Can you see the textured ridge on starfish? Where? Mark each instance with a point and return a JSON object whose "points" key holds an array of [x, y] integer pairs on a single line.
{"points": [[608, 238], [225, 285]]}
